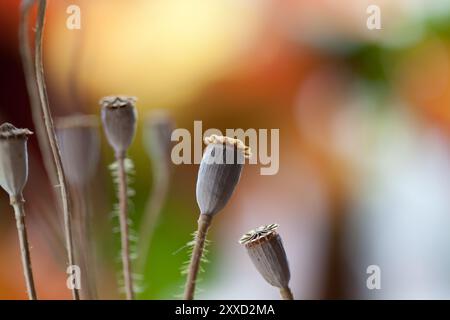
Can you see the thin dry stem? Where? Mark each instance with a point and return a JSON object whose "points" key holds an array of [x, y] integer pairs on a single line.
{"points": [[50, 129], [203, 225], [30, 80], [90, 255], [82, 223], [17, 204], [286, 294], [123, 218], [152, 212]]}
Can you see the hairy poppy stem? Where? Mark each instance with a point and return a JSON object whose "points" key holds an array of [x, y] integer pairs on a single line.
{"points": [[119, 121], [65, 196], [123, 217], [203, 225], [17, 204]]}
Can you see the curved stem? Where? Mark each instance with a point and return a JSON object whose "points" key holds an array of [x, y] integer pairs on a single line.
{"points": [[50, 129], [203, 225], [123, 218], [17, 204], [286, 294], [30, 81]]}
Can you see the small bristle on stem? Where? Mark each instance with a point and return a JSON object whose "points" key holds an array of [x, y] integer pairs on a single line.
{"points": [[119, 122], [123, 218], [203, 225]]}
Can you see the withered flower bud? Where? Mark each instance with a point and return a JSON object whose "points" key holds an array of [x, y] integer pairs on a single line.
{"points": [[157, 136], [157, 140], [218, 176], [13, 177], [119, 120], [80, 147], [13, 159], [265, 248], [219, 173]]}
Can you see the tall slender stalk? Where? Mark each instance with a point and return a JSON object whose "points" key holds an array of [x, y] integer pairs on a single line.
{"points": [[50, 129], [157, 138], [30, 80], [119, 121], [123, 218], [90, 245], [84, 245], [79, 145], [19, 211], [203, 225]]}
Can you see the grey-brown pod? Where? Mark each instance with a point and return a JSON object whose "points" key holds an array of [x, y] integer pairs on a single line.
{"points": [[13, 159], [157, 135], [119, 121], [219, 173], [79, 143], [265, 249]]}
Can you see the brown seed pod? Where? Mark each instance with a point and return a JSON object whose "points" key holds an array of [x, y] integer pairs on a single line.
{"points": [[157, 136], [13, 177], [119, 121], [79, 143], [13, 159], [219, 173], [218, 176], [266, 250]]}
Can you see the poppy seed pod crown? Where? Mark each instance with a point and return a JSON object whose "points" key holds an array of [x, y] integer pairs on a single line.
{"points": [[79, 143], [219, 173], [13, 159], [266, 250], [119, 121]]}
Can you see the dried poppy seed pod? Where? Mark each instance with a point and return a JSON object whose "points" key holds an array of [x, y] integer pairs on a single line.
{"points": [[13, 177], [218, 176], [219, 172], [158, 127], [13, 159], [265, 248], [157, 136], [119, 120], [80, 147]]}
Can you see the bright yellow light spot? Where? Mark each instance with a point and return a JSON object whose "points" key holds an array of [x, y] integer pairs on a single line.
{"points": [[162, 51]]}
